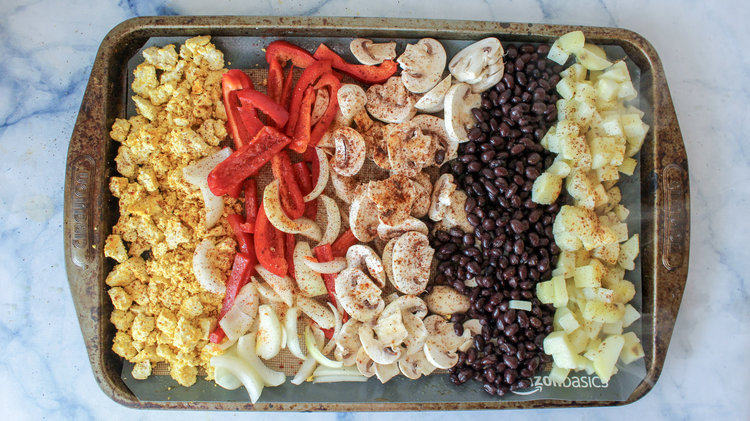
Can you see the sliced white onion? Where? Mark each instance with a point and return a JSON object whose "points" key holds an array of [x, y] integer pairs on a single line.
{"points": [[246, 349], [292, 339], [337, 379], [197, 175], [243, 372], [207, 275], [322, 181], [314, 352], [283, 285], [267, 293], [333, 218], [334, 266], [343, 371], [236, 323], [336, 329], [224, 378], [247, 299], [520, 305], [277, 217], [268, 340], [308, 281], [305, 371]]}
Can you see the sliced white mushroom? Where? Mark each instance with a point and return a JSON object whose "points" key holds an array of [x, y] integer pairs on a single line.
{"points": [[455, 213], [472, 327], [363, 217], [370, 53], [385, 372], [365, 364], [316, 311], [393, 198], [489, 77], [433, 101], [347, 344], [442, 342], [390, 329], [441, 197], [446, 301], [412, 258], [422, 192], [372, 132], [379, 351], [435, 128], [358, 294], [468, 64], [390, 102], [409, 149], [407, 303], [415, 340], [459, 102], [350, 151], [412, 310], [352, 99], [363, 257], [422, 65], [387, 232], [415, 365], [388, 258], [345, 187]]}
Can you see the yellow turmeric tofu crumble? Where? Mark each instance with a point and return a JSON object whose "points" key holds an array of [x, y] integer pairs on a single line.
{"points": [[161, 312]]}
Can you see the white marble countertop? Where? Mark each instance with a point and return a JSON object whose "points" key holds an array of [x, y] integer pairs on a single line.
{"points": [[47, 49]]}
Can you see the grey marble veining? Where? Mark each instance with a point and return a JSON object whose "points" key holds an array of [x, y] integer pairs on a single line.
{"points": [[46, 51]]}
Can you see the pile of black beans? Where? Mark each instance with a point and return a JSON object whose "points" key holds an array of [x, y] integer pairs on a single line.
{"points": [[512, 247]]}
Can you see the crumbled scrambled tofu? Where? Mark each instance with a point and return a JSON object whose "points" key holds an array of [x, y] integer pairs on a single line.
{"points": [[161, 312]]}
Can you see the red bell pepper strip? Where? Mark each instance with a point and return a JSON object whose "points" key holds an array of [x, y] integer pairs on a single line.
{"points": [[361, 72], [265, 104], [244, 240], [324, 254], [342, 244], [308, 78], [283, 51], [246, 161], [269, 245], [242, 268], [330, 82], [286, 90], [235, 191], [289, 243], [290, 194], [239, 126], [251, 202], [275, 81], [303, 130], [304, 179]]}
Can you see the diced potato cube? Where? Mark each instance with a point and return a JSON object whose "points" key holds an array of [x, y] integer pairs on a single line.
{"points": [[622, 212], [633, 110], [627, 91], [594, 75], [599, 311], [618, 72], [563, 111], [576, 72], [567, 261], [558, 375], [632, 349], [566, 87], [578, 340], [592, 57], [621, 231], [628, 166], [546, 189], [545, 292], [607, 150], [608, 173], [613, 276], [612, 126], [624, 291], [635, 132], [560, 291], [607, 253], [565, 319], [559, 168], [615, 195], [577, 151], [572, 41], [598, 294], [557, 54], [628, 252], [566, 129], [592, 328], [545, 142], [606, 356], [606, 89], [557, 345], [631, 315], [585, 92], [589, 275], [584, 112], [612, 328]]}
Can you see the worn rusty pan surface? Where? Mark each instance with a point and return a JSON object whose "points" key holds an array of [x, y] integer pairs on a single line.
{"points": [[90, 213]]}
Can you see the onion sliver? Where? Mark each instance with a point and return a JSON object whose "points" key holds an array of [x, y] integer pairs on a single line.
{"points": [[308, 281], [244, 373], [314, 352], [292, 339], [224, 378], [277, 217], [305, 371], [336, 329], [333, 218], [246, 349], [334, 266], [316, 311], [283, 285], [343, 371], [338, 379], [207, 275], [197, 175], [235, 323], [320, 183]]}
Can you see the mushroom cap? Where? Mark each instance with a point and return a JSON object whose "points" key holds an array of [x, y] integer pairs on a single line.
{"points": [[423, 64], [433, 100], [459, 102], [365, 364], [422, 191], [387, 232], [350, 151], [441, 196], [378, 351], [364, 257], [434, 127], [446, 301], [358, 294], [393, 198], [442, 342], [363, 216], [352, 99], [347, 343], [370, 53], [415, 365], [467, 65], [385, 372], [412, 258], [390, 102]]}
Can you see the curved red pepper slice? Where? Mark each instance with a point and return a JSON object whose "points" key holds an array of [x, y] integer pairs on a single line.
{"points": [[282, 51], [286, 90], [259, 100], [305, 181], [242, 269], [342, 244], [231, 81], [302, 132], [275, 81], [361, 72], [289, 243], [244, 239], [269, 245], [308, 78], [246, 161], [332, 83], [290, 193], [251, 202]]}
